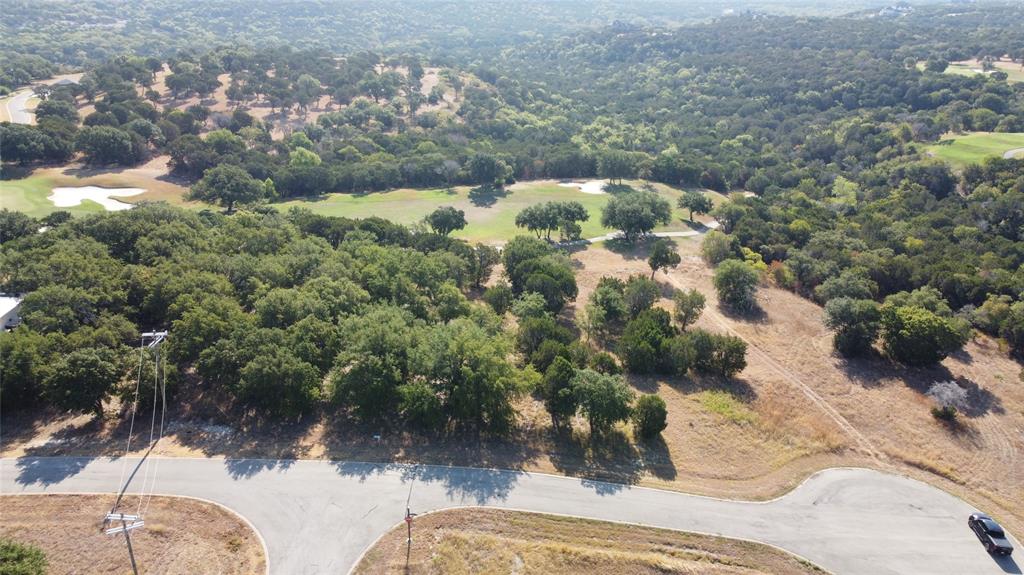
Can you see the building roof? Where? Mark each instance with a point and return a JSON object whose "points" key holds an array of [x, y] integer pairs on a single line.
{"points": [[8, 303]]}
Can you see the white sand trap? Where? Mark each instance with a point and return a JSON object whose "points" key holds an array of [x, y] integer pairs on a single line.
{"points": [[68, 197], [588, 187]]}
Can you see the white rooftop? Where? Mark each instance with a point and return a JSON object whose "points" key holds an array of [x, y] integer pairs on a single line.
{"points": [[8, 303]]}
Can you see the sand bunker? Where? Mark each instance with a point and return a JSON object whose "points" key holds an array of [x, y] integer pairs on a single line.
{"points": [[68, 197], [588, 187]]}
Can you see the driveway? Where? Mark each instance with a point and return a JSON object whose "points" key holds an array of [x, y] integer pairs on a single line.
{"points": [[319, 516]]}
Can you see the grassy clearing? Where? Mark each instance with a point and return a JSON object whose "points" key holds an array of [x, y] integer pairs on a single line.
{"points": [[181, 535], [494, 541], [725, 404], [975, 147], [1014, 71], [490, 219]]}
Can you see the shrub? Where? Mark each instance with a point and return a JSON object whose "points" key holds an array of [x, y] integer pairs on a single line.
{"points": [[535, 330], [21, 559], [546, 353], [641, 341], [604, 362], [718, 247], [736, 283], [499, 297], [678, 355], [715, 354], [650, 416], [856, 324], [639, 294]]}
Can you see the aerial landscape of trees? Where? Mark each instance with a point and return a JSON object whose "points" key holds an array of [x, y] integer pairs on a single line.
{"points": [[804, 138]]}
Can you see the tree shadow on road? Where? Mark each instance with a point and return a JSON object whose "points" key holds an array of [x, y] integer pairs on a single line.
{"points": [[49, 470]]}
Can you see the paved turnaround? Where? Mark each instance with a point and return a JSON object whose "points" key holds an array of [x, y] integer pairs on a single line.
{"points": [[319, 516]]}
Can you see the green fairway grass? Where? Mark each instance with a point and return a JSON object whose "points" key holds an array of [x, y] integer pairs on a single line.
{"points": [[1013, 71], [494, 222], [29, 195], [972, 148], [491, 220]]}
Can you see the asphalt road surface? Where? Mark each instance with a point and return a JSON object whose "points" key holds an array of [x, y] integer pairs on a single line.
{"points": [[319, 516], [17, 107]]}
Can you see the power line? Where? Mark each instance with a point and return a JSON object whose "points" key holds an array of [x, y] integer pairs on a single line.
{"points": [[130, 522]]}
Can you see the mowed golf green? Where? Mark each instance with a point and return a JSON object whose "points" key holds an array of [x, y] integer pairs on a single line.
{"points": [[975, 147]]}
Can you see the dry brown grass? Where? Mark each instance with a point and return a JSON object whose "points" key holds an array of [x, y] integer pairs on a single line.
{"points": [[181, 536], [496, 541]]}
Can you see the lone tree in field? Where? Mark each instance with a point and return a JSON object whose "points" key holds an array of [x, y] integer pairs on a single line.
{"points": [[446, 219], [227, 185], [696, 203], [662, 257], [650, 416], [636, 213], [736, 283]]}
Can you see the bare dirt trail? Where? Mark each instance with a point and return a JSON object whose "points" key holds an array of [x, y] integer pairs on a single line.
{"points": [[721, 321]]}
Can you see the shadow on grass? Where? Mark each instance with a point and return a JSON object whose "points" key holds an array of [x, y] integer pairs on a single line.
{"points": [[873, 370], [486, 196], [755, 314]]}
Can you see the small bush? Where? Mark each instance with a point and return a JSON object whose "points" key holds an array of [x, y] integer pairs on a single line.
{"points": [[946, 413], [21, 559]]}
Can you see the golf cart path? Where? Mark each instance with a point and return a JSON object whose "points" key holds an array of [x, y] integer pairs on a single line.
{"points": [[319, 516]]}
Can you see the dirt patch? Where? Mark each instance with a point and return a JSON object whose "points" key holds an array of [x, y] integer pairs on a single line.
{"points": [[180, 536], [497, 541]]}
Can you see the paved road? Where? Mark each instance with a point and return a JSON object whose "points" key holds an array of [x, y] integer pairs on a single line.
{"points": [[318, 516], [16, 107]]}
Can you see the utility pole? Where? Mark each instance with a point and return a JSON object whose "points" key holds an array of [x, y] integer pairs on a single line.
{"points": [[126, 528]]}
